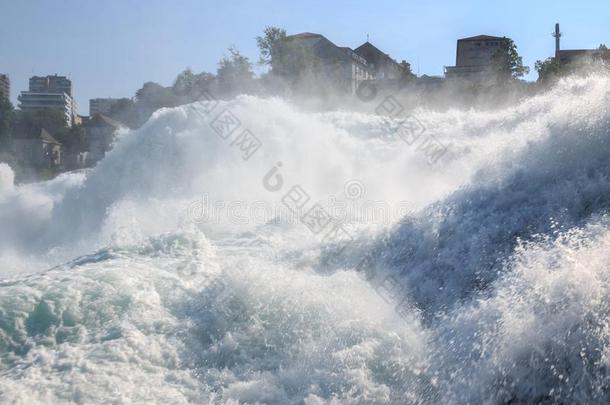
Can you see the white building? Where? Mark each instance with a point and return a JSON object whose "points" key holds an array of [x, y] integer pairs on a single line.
{"points": [[58, 101], [52, 92]]}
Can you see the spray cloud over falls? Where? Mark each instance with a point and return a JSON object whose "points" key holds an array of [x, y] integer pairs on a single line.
{"points": [[500, 261]]}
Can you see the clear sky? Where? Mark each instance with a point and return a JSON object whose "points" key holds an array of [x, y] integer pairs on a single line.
{"points": [[110, 47]]}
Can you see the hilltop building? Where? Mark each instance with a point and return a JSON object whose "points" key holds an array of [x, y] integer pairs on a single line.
{"points": [[5, 86], [580, 56], [101, 105], [329, 64], [474, 58], [383, 66], [575, 58], [53, 92]]}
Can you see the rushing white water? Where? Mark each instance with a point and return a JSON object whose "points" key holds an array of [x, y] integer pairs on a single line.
{"points": [[173, 272]]}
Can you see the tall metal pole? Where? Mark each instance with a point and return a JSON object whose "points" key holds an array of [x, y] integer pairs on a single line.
{"points": [[557, 36]]}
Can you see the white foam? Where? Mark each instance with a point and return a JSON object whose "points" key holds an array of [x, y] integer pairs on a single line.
{"points": [[500, 262]]}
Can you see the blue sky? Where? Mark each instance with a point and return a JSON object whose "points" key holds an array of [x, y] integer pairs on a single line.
{"points": [[110, 47]]}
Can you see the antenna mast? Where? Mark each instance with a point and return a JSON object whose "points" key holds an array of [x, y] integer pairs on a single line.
{"points": [[557, 34]]}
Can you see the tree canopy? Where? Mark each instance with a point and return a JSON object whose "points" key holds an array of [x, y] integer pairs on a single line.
{"points": [[269, 45], [7, 117], [508, 63], [407, 73], [189, 85], [547, 69], [30, 122], [234, 72]]}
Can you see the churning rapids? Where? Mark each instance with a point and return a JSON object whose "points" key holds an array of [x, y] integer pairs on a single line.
{"points": [[173, 272]]}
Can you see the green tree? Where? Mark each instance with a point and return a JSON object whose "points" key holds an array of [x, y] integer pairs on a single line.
{"points": [[124, 111], [190, 85], [203, 81], [548, 69], [406, 74], [270, 46], [605, 55], [30, 122], [185, 82], [121, 104], [73, 138], [151, 97], [507, 62], [234, 72], [7, 118]]}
